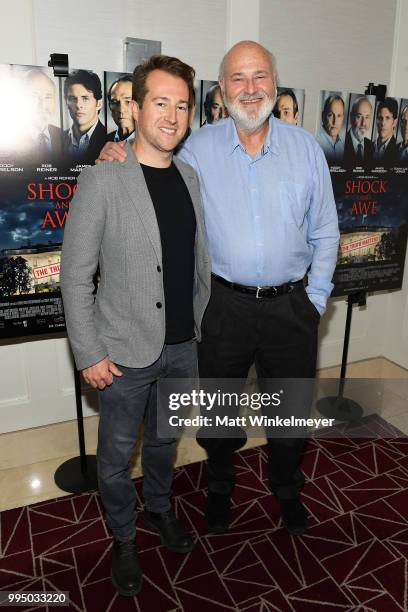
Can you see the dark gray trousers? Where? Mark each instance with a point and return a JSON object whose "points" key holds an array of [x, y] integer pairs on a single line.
{"points": [[129, 401]]}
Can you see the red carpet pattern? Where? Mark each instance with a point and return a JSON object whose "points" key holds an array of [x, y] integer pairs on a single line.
{"points": [[353, 557]]}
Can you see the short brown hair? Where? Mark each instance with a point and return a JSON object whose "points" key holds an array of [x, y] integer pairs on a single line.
{"points": [[172, 65]]}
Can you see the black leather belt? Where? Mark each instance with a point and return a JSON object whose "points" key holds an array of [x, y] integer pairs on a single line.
{"points": [[259, 292]]}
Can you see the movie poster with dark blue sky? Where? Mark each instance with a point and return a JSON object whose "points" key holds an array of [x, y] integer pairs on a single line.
{"points": [[365, 141], [50, 130]]}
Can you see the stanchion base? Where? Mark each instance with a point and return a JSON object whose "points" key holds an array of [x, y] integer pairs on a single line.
{"points": [[71, 479], [339, 408]]}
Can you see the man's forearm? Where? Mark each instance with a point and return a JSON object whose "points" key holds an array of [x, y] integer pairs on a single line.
{"points": [[323, 265], [323, 235]]}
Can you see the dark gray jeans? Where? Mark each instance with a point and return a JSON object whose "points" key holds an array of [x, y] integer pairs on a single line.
{"points": [[129, 401]]}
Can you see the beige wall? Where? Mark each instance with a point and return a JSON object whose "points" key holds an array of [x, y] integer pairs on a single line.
{"points": [[17, 41], [326, 44]]}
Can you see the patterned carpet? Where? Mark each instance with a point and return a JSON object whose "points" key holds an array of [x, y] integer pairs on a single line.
{"points": [[353, 557]]}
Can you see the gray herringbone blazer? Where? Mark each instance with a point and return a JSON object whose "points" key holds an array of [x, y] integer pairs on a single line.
{"points": [[112, 222]]}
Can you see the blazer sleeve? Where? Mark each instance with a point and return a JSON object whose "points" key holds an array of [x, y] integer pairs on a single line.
{"points": [[79, 261]]}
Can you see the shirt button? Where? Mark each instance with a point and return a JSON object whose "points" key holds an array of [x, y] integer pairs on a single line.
{"points": [[158, 304], [158, 268]]}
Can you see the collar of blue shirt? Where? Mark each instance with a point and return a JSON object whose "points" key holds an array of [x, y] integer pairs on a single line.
{"points": [[271, 141]]}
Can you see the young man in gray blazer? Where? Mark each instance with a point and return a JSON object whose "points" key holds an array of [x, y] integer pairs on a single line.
{"points": [[141, 221]]}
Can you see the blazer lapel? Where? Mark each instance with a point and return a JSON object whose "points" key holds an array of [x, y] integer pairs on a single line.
{"points": [[135, 184]]}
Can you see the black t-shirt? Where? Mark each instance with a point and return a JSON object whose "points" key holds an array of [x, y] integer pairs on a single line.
{"points": [[177, 226]]}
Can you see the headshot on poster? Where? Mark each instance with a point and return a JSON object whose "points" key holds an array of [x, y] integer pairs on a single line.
{"points": [[358, 145], [289, 105], [331, 125], [30, 130], [213, 107], [385, 132], [209, 105], [120, 125], [402, 133], [83, 117]]}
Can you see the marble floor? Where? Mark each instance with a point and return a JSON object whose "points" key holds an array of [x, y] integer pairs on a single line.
{"points": [[26, 479]]}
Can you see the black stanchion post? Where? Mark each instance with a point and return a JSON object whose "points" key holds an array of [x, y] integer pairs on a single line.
{"points": [[80, 421], [337, 406], [350, 302], [78, 474]]}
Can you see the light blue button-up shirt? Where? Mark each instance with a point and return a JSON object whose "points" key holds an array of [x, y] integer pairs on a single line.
{"points": [[269, 217]]}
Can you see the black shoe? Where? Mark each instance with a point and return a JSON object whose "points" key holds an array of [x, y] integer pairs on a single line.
{"points": [[218, 512], [294, 515], [126, 573], [172, 532]]}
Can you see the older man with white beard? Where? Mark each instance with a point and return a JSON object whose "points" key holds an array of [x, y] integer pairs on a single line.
{"points": [[358, 148], [271, 219]]}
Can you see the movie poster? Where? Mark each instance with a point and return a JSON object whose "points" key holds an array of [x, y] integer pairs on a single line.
{"points": [[289, 105], [50, 128], [209, 105], [120, 124], [83, 118], [365, 143]]}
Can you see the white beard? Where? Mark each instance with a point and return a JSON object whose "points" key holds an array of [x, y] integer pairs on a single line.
{"points": [[250, 122]]}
